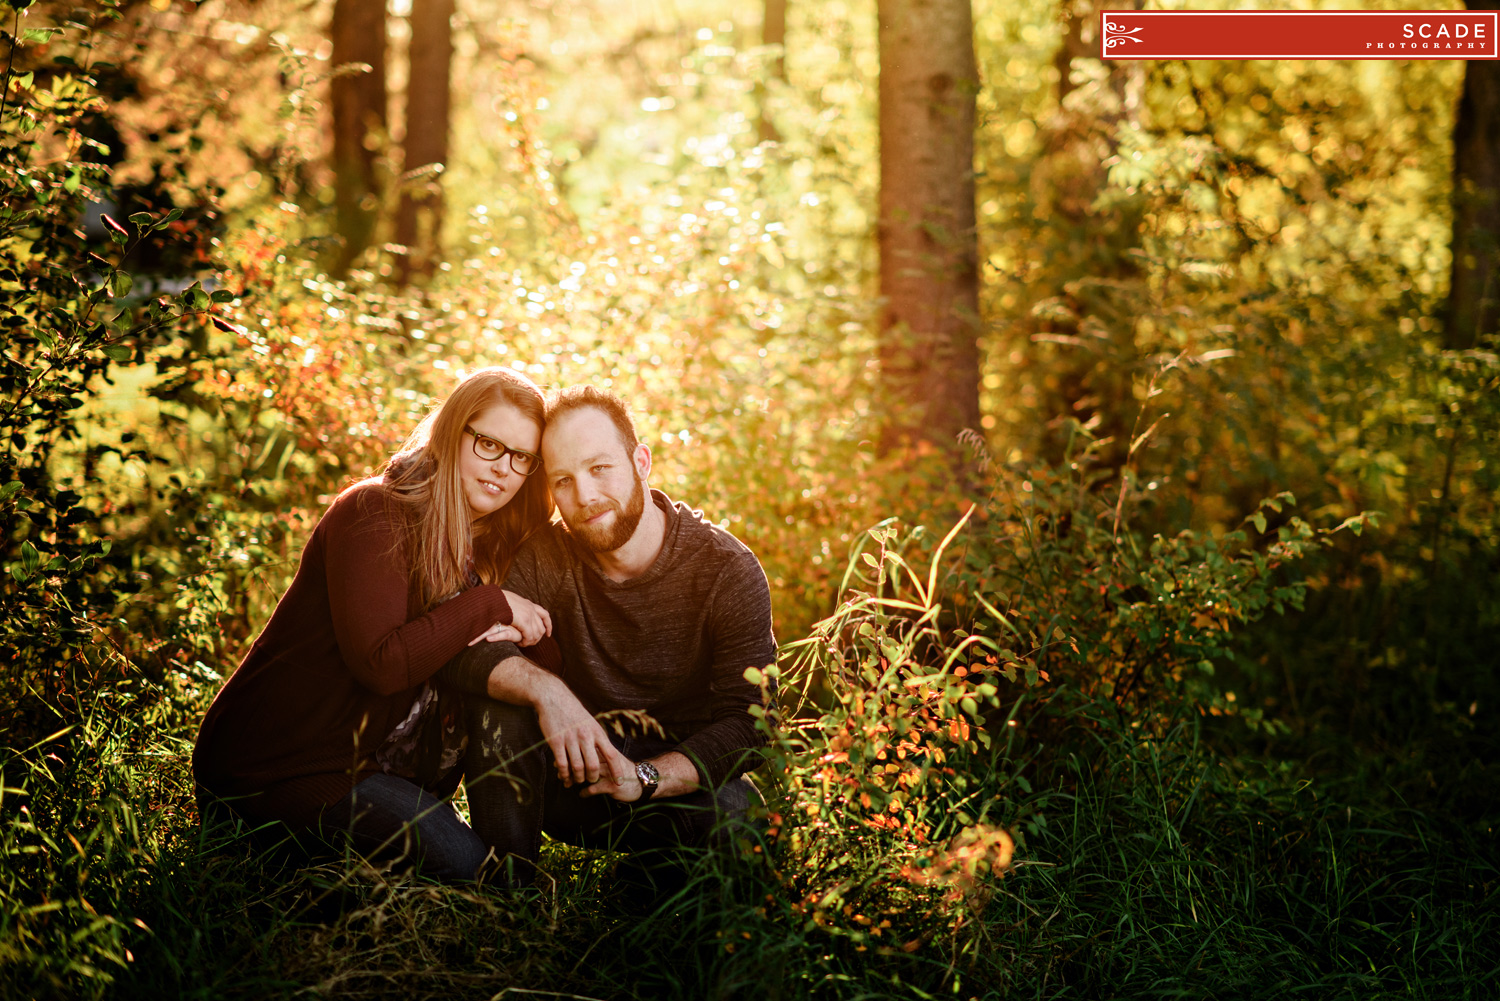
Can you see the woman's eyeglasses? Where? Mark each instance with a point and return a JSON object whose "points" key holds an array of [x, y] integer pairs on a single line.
{"points": [[490, 449]]}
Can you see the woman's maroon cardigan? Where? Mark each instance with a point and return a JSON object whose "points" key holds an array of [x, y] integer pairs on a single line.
{"points": [[336, 668]]}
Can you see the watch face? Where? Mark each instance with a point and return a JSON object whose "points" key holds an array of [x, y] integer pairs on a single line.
{"points": [[647, 773]]}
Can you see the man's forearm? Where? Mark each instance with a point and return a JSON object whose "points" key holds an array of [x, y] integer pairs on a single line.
{"points": [[679, 775], [470, 671], [520, 682]]}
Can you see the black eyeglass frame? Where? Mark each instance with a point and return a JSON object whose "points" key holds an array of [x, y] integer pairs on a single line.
{"points": [[504, 451]]}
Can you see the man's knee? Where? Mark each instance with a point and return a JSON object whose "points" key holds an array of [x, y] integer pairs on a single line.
{"points": [[506, 748], [500, 729], [735, 798], [739, 807], [712, 818]]}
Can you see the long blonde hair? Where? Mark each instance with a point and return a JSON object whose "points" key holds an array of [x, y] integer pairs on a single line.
{"points": [[441, 539]]}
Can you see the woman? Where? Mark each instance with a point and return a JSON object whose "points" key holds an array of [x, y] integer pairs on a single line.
{"points": [[321, 727]]}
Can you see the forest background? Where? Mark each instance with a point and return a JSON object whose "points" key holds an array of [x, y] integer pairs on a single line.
{"points": [[1119, 440]]}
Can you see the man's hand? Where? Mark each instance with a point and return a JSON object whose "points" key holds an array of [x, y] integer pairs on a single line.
{"points": [[678, 776], [579, 744], [530, 619], [626, 789]]}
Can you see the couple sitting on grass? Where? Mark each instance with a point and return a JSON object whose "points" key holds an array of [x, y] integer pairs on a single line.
{"points": [[397, 663]]}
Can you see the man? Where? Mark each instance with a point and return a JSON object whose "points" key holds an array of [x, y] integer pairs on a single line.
{"points": [[657, 612]]}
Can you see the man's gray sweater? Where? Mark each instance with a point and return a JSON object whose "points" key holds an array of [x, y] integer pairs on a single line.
{"points": [[674, 642]]}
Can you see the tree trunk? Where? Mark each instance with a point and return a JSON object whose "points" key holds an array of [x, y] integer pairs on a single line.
{"points": [[1072, 47], [1078, 376], [359, 111], [1474, 292], [772, 32], [419, 220], [929, 278]]}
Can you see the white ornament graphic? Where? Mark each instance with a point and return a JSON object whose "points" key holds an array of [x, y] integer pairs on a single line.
{"points": [[1114, 35]]}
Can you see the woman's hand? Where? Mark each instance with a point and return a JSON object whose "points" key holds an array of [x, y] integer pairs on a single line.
{"points": [[498, 633], [529, 619], [529, 622]]}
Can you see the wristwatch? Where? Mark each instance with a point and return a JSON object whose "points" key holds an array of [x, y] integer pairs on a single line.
{"points": [[650, 779]]}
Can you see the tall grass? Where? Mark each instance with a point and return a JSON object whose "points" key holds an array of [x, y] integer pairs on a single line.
{"points": [[936, 828]]}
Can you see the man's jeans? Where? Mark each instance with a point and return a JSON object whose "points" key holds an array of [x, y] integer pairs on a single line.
{"points": [[515, 795]]}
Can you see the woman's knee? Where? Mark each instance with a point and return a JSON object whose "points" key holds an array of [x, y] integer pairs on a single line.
{"points": [[448, 849], [388, 818]]}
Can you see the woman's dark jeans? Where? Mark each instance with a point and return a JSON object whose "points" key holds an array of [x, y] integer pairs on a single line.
{"points": [[390, 818], [515, 795], [384, 818]]}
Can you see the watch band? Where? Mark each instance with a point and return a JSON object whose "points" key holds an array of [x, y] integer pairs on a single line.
{"points": [[649, 777]]}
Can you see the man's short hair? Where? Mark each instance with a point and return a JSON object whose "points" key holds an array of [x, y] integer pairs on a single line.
{"points": [[562, 401]]}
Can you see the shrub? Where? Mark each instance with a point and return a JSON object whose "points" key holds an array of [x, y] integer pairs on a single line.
{"points": [[915, 719]]}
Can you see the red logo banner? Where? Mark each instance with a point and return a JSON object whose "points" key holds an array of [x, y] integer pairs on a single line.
{"points": [[1299, 34]]}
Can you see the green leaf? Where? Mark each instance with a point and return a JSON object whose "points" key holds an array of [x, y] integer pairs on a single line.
{"points": [[118, 352], [1258, 519], [30, 558], [222, 295], [10, 489], [120, 284], [39, 35], [142, 218]]}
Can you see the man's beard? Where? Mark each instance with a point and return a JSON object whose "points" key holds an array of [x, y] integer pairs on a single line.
{"points": [[603, 539]]}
